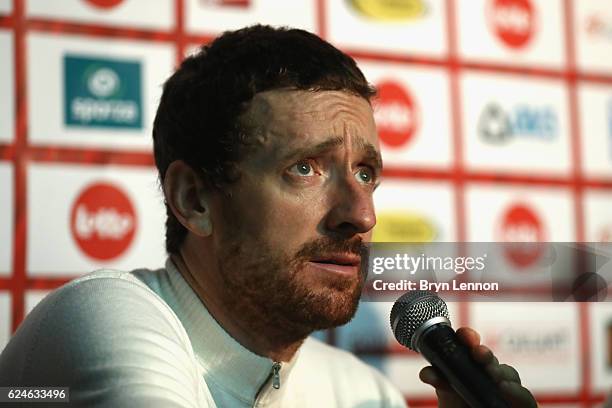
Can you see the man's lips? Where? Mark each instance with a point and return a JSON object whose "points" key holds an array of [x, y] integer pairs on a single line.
{"points": [[339, 259], [339, 263]]}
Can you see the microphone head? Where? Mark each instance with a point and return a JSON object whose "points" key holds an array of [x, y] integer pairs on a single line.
{"points": [[410, 313]]}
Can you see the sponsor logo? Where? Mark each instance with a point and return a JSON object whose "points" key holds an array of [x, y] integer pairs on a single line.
{"points": [[104, 4], [521, 226], [101, 92], [390, 10], [403, 227], [534, 344], [599, 26], [103, 221], [512, 21], [498, 126], [396, 114], [226, 3]]}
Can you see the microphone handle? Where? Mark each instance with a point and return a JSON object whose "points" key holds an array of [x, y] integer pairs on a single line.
{"points": [[440, 345]]}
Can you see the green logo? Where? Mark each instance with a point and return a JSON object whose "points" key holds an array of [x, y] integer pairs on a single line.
{"points": [[100, 92]]}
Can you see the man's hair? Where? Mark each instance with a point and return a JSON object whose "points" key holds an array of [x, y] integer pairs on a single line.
{"points": [[197, 120]]}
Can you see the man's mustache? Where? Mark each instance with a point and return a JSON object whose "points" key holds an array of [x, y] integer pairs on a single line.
{"points": [[328, 246]]}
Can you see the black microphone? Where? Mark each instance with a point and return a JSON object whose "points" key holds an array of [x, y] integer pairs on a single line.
{"points": [[419, 320]]}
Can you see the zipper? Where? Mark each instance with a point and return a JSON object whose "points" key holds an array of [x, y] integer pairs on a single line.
{"points": [[275, 375]]}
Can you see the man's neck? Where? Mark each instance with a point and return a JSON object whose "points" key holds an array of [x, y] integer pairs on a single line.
{"points": [[273, 340]]}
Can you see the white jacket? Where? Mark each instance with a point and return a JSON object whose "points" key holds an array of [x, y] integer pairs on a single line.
{"points": [[144, 339]]}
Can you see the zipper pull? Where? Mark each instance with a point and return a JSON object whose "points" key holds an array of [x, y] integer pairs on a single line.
{"points": [[275, 375]]}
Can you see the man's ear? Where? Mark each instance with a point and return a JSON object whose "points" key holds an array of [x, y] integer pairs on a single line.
{"points": [[188, 198]]}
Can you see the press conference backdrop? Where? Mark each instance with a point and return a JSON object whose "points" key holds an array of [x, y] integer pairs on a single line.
{"points": [[495, 120]]}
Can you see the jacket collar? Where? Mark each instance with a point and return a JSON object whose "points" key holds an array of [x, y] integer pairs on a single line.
{"points": [[225, 362]]}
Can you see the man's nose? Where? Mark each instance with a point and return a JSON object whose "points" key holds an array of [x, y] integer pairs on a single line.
{"points": [[352, 210]]}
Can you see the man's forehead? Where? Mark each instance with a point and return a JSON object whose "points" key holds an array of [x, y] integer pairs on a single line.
{"points": [[308, 105], [289, 121]]}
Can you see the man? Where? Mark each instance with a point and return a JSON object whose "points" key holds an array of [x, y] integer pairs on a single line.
{"points": [[268, 156]]}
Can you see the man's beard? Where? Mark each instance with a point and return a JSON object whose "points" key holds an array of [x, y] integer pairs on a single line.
{"points": [[275, 292]]}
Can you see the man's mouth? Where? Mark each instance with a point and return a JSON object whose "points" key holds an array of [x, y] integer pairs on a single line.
{"points": [[339, 263]]}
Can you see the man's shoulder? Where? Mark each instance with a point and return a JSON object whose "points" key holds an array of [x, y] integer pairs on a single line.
{"points": [[92, 318], [103, 295], [111, 338], [344, 375], [136, 279], [106, 301]]}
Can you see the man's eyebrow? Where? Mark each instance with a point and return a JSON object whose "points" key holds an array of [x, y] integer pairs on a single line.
{"points": [[374, 155], [370, 152], [316, 150]]}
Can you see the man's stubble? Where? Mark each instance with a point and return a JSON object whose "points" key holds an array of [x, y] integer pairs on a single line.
{"points": [[270, 291]]}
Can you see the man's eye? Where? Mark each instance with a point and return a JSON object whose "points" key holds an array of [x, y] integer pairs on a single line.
{"points": [[365, 175], [302, 169]]}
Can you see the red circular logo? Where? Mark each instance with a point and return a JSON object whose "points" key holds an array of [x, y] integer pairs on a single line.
{"points": [[522, 229], [104, 4], [103, 221], [396, 114], [513, 21]]}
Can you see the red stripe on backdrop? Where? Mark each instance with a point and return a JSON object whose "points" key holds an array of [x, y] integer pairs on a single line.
{"points": [[178, 36], [90, 156], [197, 39], [38, 283], [6, 284], [434, 174], [595, 78], [97, 30], [482, 66], [457, 129], [20, 164], [180, 30], [522, 71], [585, 348], [7, 152], [600, 184], [7, 21], [457, 137], [407, 172], [47, 283], [411, 59], [574, 119], [321, 18], [583, 308], [525, 179]]}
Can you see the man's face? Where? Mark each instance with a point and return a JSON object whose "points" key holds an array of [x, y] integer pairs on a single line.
{"points": [[289, 234]]}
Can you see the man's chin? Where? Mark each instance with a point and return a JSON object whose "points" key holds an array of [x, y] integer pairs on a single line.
{"points": [[324, 319], [326, 308]]}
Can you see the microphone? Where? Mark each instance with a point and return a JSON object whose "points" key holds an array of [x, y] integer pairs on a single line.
{"points": [[419, 320]]}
